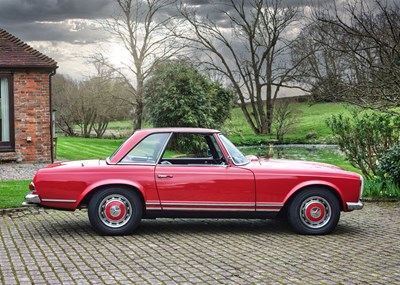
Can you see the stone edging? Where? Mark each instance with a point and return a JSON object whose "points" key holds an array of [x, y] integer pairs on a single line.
{"points": [[21, 211]]}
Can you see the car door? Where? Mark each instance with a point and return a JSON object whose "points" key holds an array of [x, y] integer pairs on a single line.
{"points": [[194, 179]]}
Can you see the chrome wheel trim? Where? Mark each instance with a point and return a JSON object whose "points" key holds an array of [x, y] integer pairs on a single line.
{"points": [[115, 211], [315, 212]]}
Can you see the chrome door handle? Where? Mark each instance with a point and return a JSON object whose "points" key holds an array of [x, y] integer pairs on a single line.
{"points": [[165, 176]]}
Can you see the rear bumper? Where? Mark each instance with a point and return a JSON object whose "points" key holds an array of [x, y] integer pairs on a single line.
{"points": [[31, 200], [354, 206]]}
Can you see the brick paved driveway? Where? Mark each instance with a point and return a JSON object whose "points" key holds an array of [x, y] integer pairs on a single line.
{"points": [[60, 247]]}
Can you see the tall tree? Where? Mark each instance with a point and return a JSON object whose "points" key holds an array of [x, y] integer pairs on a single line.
{"points": [[249, 49], [360, 43], [140, 26]]}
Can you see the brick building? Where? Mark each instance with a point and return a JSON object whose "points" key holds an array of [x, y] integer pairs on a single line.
{"points": [[25, 102]]}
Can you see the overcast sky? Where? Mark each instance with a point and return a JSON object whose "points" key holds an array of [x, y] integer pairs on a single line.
{"points": [[66, 30]]}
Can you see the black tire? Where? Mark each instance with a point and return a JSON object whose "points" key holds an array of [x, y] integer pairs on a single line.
{"points": [[314, 211], [115, 211]]}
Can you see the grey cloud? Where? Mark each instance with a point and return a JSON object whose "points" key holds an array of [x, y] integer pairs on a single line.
{"points": [[36, 20], [32, 20], [13, 11]]}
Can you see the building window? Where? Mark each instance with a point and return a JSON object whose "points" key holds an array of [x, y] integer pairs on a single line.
{"points": [[6, 114]]}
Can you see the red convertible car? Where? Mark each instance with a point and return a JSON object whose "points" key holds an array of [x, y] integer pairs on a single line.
{"points": [[190, 172]]}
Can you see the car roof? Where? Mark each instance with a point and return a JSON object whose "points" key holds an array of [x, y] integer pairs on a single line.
{"points": [[179, 130]]}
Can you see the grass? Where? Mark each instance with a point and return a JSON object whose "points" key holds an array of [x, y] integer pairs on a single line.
{"points": [[320, 154], [12, 193], [75, 148], [312, 121], [377, 188]]}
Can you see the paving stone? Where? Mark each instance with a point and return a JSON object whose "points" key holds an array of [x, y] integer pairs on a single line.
{"points": [[55, 247]]}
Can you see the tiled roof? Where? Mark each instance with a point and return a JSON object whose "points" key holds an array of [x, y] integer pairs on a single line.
{"points": [[14, 53]]}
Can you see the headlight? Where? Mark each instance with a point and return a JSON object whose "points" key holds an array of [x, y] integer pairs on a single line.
{"points": [[361, 186]]}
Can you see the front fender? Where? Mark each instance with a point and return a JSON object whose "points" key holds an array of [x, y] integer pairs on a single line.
{"points": [[304, 184], [107, 182]]}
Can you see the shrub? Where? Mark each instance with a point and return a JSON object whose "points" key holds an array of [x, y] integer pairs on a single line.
{"points": [[311, 135], [286, 118], [365, 137], [178, 95], [378, 187], [389, 164]]}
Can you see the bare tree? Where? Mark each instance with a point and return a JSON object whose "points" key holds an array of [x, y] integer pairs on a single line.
{"points": [[322, 71], [140, 26], [89, 104], [101, 100], [65, 96], [360, 44], [250, 52], [286, 118]]}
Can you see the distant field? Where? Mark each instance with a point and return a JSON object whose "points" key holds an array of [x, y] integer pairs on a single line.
{"points": [[311, 121], [74, 148]]}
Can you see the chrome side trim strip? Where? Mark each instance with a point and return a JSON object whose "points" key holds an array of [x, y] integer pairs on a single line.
{"points": [[209, 204], [208, 209], [269, 204], [153, 203], [58, 201]]}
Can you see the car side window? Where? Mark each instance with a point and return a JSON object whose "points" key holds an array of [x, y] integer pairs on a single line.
{"points": [[148, 150], [191, 149]]}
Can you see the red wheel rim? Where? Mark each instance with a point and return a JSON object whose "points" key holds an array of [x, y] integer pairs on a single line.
{"points": [[115, 210], [315, 212]]}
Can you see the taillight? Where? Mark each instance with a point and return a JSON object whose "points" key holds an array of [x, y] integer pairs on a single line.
{"points": [[32, 187]]}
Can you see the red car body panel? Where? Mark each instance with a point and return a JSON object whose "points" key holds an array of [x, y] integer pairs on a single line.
{"points": [[259, 186], [206, 187], [278, 180]]}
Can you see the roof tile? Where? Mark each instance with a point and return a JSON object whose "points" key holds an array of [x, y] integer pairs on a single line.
{"points": [[14, 53]]}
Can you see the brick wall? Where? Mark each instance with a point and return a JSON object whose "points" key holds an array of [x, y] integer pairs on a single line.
{"points": [[32, 116]]}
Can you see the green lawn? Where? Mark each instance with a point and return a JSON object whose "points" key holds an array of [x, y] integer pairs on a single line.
{"points": [[326, 154], [75, 148], [312, 121], [12, 193]]}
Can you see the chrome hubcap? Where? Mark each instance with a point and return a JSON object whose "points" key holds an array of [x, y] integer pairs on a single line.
{"points": [[115, 210], [315, 212]]}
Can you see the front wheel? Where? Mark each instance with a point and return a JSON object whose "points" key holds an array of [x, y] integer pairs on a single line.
{"points": [[115, 211], [314, 211]]}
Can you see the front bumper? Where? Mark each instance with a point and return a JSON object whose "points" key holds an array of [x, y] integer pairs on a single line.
{"points": [[354, 206], [31, 200]]}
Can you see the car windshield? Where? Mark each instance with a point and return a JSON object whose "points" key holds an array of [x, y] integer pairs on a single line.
{"points": [[236, 155]]}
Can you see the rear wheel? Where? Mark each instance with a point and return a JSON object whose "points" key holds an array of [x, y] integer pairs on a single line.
{"points": [[115, 211], [314, 211]]}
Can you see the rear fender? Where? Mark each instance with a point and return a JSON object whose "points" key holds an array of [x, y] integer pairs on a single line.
{"points": [[108, 182]]}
